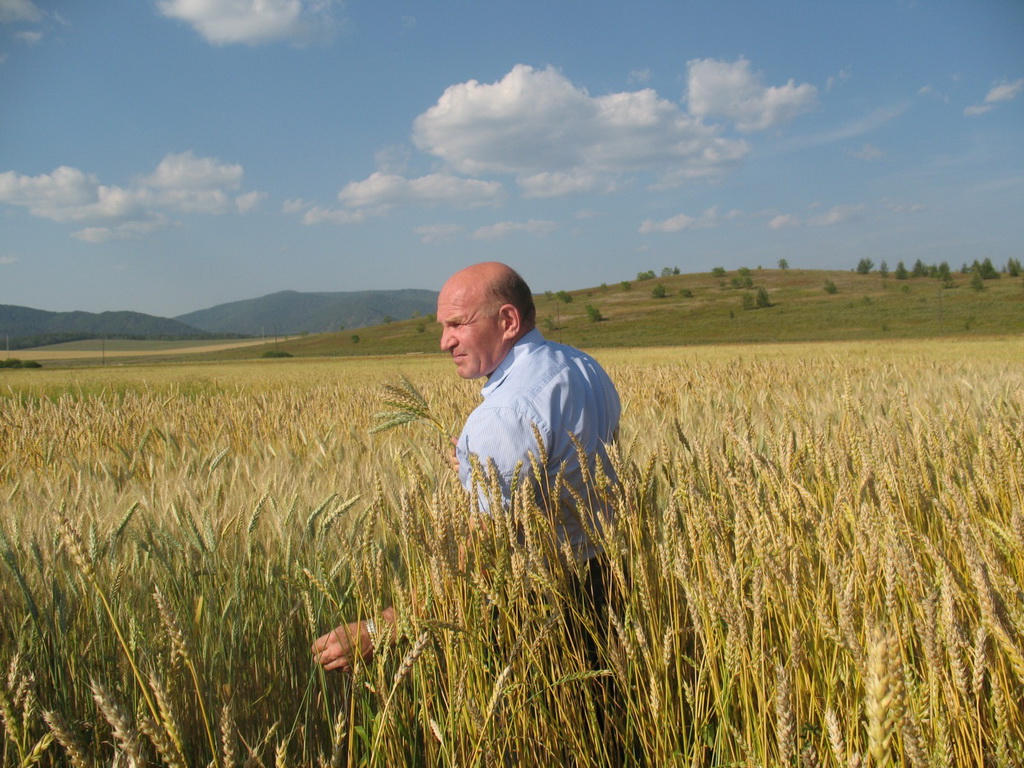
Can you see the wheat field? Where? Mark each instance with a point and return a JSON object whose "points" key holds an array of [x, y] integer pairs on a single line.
{"points": [[817, 559]]}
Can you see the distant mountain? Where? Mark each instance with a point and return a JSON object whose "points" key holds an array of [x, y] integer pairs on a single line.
{"points": [[22, 327], [293, 312]]}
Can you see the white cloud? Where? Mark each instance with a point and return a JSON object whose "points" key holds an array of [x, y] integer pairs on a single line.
{"points": [[12, 11], [784, 221], [252, 22], [556, 184], [193, 184], [185, 171], [506, 228], [250, 201], [8, 259], [387, 190], [393, 159], [438, 233], [868, 152], [674, 224], [296, 206], [181, 183], [731, 90], [834, 80], [67, 194], [710, 218], [318, 215], [1005, 91], [928, 90], [129, 230], [836, 215], [903, 208], [681, 221], [851, 130], [556, 138]]}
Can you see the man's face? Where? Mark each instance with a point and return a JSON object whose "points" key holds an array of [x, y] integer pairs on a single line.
{"points": [[474, 334]]}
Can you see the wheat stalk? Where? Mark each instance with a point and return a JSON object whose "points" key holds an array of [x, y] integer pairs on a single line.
{"points": [[409, 407]]}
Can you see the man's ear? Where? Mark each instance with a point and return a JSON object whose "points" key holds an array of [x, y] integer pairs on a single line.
{"points": [[511, 322]]}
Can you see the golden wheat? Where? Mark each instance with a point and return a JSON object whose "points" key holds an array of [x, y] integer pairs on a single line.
{"points": [[817, 556]]}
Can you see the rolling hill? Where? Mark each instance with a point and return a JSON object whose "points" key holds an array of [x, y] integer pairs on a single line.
{"points": [[293, 312], [728, 308], [735, 307], [284, 313], [24, 327]]}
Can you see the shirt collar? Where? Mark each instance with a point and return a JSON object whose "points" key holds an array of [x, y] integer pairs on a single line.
{"points": [[519, 350]]}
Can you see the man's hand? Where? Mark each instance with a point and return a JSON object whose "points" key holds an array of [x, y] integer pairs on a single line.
{"points": [[455, 458], [339, 647]]}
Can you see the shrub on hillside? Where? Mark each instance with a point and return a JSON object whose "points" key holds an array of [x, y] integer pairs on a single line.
{"points": [[13, 362]]}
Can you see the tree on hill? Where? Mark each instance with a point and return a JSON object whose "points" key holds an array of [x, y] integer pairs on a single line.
{"points": [[985, 269], [944, 274], [864, 266]]}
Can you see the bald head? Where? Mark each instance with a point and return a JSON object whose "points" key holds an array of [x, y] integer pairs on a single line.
{"points": [[499, 284], [484, 309]]}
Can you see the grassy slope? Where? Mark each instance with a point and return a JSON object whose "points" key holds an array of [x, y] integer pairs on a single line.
{"points": [[864, 307]]}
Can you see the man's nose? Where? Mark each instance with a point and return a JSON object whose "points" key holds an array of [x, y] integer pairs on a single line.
{"points": [[446, 340]]}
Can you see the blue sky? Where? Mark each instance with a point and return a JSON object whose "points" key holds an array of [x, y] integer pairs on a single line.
{"points": [[165, 156]]}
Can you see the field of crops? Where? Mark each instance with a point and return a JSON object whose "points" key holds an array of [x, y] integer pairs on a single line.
{"points": [[818, 557]]}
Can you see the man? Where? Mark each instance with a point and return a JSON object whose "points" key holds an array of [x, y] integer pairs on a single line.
{"points": [[488, 324]]}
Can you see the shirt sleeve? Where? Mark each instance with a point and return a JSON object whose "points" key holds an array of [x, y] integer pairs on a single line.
{"points": [[501, 437]]}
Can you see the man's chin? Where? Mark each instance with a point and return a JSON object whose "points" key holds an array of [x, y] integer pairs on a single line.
{"points": [[465, 372]]}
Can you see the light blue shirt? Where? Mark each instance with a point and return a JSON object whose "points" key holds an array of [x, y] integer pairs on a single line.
{"points": [[562, 391]]}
